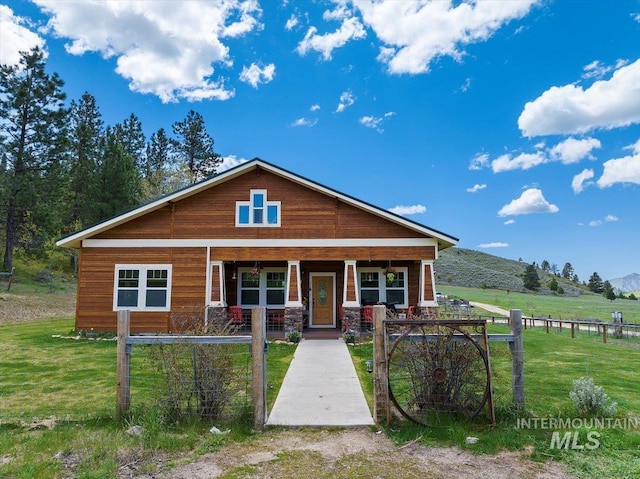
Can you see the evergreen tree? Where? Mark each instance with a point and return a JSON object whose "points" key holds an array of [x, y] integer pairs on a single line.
{"points": [[567, 271], [194, 147], [85, 136], [130, 135], [553, 284], [545, 266], [32, 139], [158, 160], [531, 278], [608, 291], [595, 283]]}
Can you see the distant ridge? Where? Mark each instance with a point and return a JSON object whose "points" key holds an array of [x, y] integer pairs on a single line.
{"points": [[474, 269], [626, 284]]}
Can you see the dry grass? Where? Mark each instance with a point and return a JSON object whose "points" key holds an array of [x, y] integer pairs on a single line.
{"points": [[21, 305]]}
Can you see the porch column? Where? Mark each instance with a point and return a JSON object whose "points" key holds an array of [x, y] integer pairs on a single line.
{"points": [[293, 300], [350, 298], [427, 302], [216, 310]]}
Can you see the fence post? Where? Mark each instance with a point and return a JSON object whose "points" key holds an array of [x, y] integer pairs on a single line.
{"points": [[380, 393], [517, 357], [123, 365], [259, 367], [604, 333], [573, 333]]}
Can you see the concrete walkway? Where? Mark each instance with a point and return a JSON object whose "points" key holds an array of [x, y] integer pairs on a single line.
{"points": [[321, 388]]}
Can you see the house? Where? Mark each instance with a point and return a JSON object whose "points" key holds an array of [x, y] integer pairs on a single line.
{"points": [[252, 235]]}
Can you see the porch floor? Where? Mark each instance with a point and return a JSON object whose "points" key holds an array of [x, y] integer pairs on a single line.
{"points": [[321, 388]]}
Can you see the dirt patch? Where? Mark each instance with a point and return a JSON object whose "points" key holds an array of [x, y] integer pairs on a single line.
{"points": [[320, 454], [18, 308]]}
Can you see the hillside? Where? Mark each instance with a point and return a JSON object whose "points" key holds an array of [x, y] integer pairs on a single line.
{"points": [[473, 269], [627, 284]]}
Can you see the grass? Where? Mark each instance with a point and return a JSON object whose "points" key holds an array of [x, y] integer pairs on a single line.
{"points": [[558, 307], [552, 362]]}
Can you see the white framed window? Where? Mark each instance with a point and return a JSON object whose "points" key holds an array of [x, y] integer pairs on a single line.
{"points": [[268, 288], [258, 211], [142, 287], [376, 287]]}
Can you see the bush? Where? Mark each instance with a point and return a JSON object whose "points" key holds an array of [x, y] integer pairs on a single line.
{"points": [[591, 400]]}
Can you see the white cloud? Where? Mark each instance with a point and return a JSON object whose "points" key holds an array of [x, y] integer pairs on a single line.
{"points": [[314, 107], [581, 180], [167, 49], [572, 150], [493, 245], [531, 201], [403, 210], [350, 29], [523, 161], [607, 219], [570, 109], [305, 122], [620, 170], [480, 161], [255, 75], [636, 17], [466, 85], [509, 222], [389, 114], [475, 188], [229, 162], [291, 23], [16, 37], [371, 122], [417, 32], [595, 69], [635, 147], [346, 100]]}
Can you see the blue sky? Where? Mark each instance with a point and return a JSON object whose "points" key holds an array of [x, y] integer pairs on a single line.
{"points": [[512, 125]]}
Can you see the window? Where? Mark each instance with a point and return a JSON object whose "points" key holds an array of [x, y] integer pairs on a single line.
{"points": [[142, 287], [266, 289], [376, 287], [258, 211]]}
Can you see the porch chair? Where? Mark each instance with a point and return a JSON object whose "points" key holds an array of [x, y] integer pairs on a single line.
{"points": [[235, 315], [411, 310], [275, 319], [367, 316]]}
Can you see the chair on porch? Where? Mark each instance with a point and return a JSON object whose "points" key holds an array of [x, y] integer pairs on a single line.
{"points": [[367, 316], [235, 315], [275, 319], [411, 310]]}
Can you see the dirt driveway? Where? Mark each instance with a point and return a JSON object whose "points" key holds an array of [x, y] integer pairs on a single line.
{"points": [[349, 453]]}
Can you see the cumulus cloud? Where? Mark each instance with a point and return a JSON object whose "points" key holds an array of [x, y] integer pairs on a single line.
{"points": [[607, 219], [570, 109], [291, 23], [16, 36], [254, 75], [531, 201], [167, 49], [475, 188], [350, 29], [581, 180], [346, 100], [479, 161], [621, 170], [422, 32], [374, 121], [497, 244], [572, 150], [229, 162], [403, 210], [305, 122], [314, 107], [523, 161]]}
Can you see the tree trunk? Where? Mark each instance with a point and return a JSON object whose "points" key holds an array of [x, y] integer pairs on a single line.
{"points": [[10, 233]]}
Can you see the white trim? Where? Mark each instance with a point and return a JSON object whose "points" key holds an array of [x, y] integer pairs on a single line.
{"points": [[333, 306], [223, 292], [75, 240], [350, 304], [258, 243], [262, 288], [423, 303], [298, 303], [142, 286], [382, 284], [265, 213]]}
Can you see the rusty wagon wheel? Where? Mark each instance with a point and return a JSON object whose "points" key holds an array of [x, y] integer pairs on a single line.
{"points": [[437, 374]]}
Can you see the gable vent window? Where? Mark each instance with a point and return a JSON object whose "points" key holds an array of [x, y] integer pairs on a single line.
{"points": [[258, 211]]}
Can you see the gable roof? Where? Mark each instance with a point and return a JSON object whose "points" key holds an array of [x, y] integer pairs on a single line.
{"points": [[74, 240]]}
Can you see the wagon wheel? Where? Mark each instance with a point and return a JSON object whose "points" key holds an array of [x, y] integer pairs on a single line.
{"points": [[437, 374]]}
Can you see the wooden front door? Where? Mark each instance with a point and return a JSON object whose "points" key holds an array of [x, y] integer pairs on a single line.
{"points": [[322, 301]]}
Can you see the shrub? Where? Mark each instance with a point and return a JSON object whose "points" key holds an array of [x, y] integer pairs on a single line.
{"points": [[591, 400]]}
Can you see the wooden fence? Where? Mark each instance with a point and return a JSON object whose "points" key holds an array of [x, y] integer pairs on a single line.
{"points": [[256, 341]]}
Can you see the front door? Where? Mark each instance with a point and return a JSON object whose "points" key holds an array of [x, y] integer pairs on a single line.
{"points": [[322, 313]]}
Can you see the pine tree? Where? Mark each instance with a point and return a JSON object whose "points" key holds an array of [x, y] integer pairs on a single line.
{"points": [[32, 139], [194, 147], [567, 271], [531, 278], [158, 159], [595, 283]]}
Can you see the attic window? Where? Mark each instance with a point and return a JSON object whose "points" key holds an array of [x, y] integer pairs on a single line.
{"points": [[258, 211]]}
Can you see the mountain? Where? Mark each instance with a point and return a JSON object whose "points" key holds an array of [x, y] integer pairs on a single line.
{"points": [[474, 269], [626, 284]]}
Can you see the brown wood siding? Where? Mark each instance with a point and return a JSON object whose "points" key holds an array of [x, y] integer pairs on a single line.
{"points": [[305, 214], [96, 286], [428, 285], [324, 253]]}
